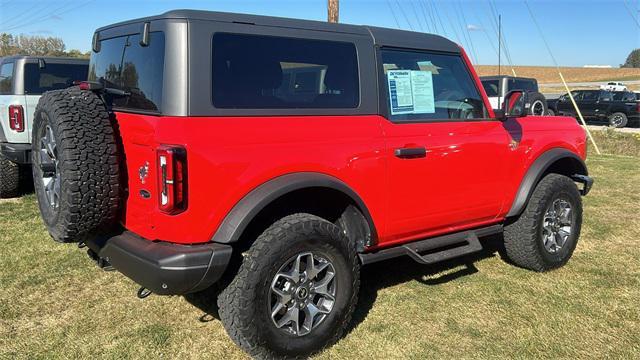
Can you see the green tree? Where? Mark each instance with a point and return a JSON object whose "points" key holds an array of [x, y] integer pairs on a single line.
{"points": [[633, 60], [36, 46]]}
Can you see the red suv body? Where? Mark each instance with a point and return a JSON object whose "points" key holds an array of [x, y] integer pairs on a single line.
{"points": [[243, 138], [242, 155]]}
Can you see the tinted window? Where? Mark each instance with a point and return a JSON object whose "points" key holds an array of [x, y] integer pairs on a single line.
{"points": [[606, 96], [491, 87], [624, 96], [423, 86], [124, 64], [253, 72], [590, 95], [526, 85], [52, 77], [6, 78]]}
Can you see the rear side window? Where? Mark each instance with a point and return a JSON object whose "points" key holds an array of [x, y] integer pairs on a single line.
{"points": [[52, 77], [268, 72], [6, 79], [124, 64], [491, 87], [425, 86], [526, 85]]}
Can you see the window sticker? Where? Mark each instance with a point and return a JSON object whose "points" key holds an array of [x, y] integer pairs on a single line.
{"points": [[411, 92]]}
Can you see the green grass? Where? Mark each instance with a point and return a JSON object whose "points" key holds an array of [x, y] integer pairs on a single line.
{"points": [[54, 303]]}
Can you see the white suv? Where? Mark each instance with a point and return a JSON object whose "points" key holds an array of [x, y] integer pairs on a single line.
{"points": [[614, 86], [22, 80]]}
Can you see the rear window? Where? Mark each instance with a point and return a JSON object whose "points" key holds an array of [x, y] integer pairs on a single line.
{"points": [[268, 72], [424, 86], [624, 96], [52, 77], [6, 78], [526, 85], [491, 87], [124, 64]]}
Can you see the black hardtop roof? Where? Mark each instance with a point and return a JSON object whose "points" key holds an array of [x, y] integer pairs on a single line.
{"points": [[498, 77], [381, 36], [56, 59]]}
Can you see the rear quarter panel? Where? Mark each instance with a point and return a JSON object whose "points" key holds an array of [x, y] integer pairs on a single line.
{"points": [[229, 157]]}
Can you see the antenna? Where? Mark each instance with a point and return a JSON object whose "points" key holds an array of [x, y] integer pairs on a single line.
{"points": [[499, 49], [499, 40]]}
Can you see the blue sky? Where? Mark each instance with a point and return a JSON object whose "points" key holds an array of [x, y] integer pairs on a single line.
{"points": [[600, 32]]}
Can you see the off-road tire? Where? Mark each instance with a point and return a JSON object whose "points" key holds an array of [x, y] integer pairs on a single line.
{"points": [[9, 178], [618, 120], [88, 155], [243, 305], [537, 98], [523, 237]]}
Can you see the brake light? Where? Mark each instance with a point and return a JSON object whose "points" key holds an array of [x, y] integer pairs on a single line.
{"points": [[16, 118], [172, 179]]}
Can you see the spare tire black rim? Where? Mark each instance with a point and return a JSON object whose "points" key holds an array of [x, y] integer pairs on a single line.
{"points": [[537, 108], [303, 293], [50, 175], [557, 225]]}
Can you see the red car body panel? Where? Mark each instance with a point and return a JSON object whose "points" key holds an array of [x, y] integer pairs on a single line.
{"points": [[468, 179]]}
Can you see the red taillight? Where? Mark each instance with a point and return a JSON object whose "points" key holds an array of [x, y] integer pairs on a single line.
{"points": [[16, 118], [172, 179]]}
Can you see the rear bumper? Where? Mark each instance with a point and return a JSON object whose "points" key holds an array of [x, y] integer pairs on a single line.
{"points": [[164, 268], [18, 153]]}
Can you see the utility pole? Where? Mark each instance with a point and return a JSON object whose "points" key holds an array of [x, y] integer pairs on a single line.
{"points": [[333, 10]]}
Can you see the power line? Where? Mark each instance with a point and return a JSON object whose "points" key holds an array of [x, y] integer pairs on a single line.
{"points": [[50, 16], [451, 25], [437, 16], [393, 13], [424, 15], [415, 13], [405, 15], [473, 48], [635, 19]]}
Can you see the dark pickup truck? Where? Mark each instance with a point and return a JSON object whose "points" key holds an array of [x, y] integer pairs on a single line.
{"points": [[619, 109]]}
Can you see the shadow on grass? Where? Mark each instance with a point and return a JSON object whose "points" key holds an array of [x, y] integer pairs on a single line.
{"points": [[378, 276]]}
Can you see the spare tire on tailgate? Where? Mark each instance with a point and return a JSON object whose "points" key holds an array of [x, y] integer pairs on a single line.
{"points": [[75, 162]]}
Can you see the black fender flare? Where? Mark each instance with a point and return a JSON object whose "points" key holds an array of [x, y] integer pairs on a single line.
{"points": [[240, 216], [535, 173]]}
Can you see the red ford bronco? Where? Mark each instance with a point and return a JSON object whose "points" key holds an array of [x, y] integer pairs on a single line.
{"points": [[283, 155]]}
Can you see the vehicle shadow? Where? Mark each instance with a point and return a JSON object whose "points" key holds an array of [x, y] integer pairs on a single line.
{"points": [[378, 276]]}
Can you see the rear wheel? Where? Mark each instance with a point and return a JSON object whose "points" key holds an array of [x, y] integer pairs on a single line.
{"points": [[75, 164], [9, 178], [550, 112], [618, 120], [295, 291], [545, 235]]}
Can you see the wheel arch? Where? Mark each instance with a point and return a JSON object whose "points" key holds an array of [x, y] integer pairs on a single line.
{"points": [[297, 192], [558, 160]]}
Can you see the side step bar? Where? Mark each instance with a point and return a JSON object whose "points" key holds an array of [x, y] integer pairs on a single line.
{"points": [[451, 245]]}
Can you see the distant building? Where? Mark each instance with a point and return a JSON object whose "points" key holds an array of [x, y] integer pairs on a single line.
{"points": [[598, 66]]}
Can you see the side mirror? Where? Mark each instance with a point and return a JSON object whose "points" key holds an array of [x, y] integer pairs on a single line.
{"points": [[516, 104]]}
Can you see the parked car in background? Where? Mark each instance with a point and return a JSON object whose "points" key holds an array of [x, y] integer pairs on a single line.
{"points": [[23, 79], [614, 86], [618, 109], [497, 87]]}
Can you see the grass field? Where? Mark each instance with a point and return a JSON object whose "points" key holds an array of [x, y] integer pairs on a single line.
{"points": [[546, 74], [54, 303]]}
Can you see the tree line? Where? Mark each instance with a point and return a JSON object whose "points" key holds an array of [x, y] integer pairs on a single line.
{"points": [[36, 46]]}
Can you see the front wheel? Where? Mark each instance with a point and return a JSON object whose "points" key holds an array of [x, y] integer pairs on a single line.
{"points": [[295, 291], [545, 235]]}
